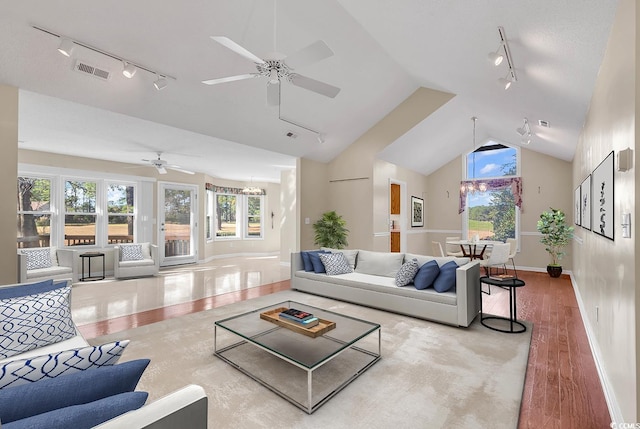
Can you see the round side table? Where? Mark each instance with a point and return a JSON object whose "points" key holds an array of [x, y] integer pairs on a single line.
{"points": [[515, 326]]}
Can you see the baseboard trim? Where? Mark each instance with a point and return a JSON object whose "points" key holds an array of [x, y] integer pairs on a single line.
{"points": [[238, 255], [609, 395]]}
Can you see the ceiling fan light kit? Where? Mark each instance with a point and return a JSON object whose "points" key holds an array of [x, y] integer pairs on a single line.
{"points": [[161, 165]]}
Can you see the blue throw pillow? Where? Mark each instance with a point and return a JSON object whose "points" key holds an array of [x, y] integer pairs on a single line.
{"points": [[306, 260], [318, 266], [447, 278], [84, 415], [66, 390], [426, 275], [30, 289]]}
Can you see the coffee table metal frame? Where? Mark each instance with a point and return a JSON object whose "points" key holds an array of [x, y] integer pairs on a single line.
{"points": [[310, 407]]}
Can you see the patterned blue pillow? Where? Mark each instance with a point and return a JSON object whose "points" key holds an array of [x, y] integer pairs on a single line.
{"points": [[335, 263], [131, 252], [407, 272], [37, 258], [25, 371], [33, 321]]}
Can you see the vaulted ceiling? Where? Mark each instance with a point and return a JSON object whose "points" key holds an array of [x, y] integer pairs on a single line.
{"points": [[383, 51]]}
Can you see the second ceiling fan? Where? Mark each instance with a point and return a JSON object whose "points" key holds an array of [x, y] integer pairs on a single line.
{"points": [[280, 68]]}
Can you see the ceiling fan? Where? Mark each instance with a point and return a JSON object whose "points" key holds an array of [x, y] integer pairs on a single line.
{"points": [[279, 67], [162, 166]]}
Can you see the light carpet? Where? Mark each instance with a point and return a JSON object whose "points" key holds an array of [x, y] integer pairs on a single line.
{"points": [[430, 375]]}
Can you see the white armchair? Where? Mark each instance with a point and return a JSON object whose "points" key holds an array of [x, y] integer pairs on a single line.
{"points": [[135, 260], [43, 263]]}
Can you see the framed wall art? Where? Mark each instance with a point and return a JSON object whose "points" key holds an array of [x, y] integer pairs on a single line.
{"points": [[585, 203], [602, 197], [417, 211], [576, 207]]}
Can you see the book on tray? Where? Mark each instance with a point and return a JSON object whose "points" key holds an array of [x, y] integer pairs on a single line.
{"points": [[300, 318]]}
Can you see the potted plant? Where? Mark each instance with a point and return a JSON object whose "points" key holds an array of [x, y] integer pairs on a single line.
{"points": [[555, 236], [331, 231]]}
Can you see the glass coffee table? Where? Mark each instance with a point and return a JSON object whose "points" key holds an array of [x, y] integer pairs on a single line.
{"points": [[304, 370]]}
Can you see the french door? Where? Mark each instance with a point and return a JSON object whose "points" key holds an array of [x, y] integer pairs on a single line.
{"points": [[177, 212]]}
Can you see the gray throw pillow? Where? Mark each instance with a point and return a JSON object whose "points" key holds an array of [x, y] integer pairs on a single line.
{"points": [[407, 272], [335, 263]]}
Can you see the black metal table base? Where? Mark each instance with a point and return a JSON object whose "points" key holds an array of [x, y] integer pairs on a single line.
{"points": [[515, 326], [90, 256]]}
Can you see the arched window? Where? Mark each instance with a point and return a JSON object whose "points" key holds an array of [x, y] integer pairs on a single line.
{"points": [[491, 192]]}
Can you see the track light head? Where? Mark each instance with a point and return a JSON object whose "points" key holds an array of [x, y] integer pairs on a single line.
{"points": [[129, 70], [160, 83], [66, 46], [505, 82]]}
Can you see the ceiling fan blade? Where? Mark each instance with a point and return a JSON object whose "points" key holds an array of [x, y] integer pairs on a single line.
{"points": [[230, 44], [313, 53], [230, 78], [314, 85], [178, 168], [273, 94]]}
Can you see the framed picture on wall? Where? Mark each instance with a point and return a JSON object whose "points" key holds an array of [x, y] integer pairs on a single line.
{"points": [[576, 206], [585, 203], [417, 211], [602, 197]]}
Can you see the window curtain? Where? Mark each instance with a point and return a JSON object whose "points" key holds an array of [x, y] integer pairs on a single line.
{"points": [[492, 185], [229, 190]]}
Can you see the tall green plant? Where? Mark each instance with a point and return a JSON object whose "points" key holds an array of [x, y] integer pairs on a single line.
{"points": [[330, 231], [555, 233]]}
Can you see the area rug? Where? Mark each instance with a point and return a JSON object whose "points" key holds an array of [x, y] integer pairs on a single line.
{"points": [[430, 375]]}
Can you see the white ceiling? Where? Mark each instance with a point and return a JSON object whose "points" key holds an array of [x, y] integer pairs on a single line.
{"points": [[382, 54]]}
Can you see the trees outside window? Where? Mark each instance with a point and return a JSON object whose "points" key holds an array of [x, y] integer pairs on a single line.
{"points": [[491, 214], [239, 216], [34, 212], [254, 217], [80, 212], [121, 213], [226, 215]]}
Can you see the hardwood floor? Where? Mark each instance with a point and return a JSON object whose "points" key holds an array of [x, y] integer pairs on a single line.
{"points": [[562, 388]]}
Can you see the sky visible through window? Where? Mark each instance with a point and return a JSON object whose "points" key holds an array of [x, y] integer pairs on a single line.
{"points": [[487, 164]]}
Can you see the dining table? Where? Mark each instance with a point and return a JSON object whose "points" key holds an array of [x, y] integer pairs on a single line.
{"points": [[474, 249]]}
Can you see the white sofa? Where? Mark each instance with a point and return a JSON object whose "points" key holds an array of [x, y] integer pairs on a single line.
{"points": [[63, 266], [457, 308], [186, 407], [149, 265]]}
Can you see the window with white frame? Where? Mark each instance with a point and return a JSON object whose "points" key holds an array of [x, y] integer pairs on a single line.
{"points": [[226, 216], [35, 212], [209, 215], [253, 216], [239, 216], [491, 212], [80, 215], [120, 213]]}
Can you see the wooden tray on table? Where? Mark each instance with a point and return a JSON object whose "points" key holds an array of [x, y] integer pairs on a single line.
{"points": [[321, 328]]}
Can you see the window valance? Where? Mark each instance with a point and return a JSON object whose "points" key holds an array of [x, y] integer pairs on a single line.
{"points": [[238, 191], [491, 185]]}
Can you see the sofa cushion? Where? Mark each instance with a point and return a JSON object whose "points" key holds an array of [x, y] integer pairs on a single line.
{"points": [[441, 260], [13, 291], [131, 252], [446, 280], [84, 415], [426, 275], [67, 390], [39, 273], [379, 263], [306, 259], [350, 254], [335, 263], [137, 263], [318, 266], [407, 272], [32, 321], [23, 371], [37, 258]]}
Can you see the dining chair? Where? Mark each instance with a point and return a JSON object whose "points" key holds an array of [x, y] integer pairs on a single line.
{"points": [[453, 249], [436, 248], [513, 243], [499, 257]]}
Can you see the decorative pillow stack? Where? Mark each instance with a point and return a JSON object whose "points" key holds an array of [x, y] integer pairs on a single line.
{"points": [[35, 320], [80, 400], [430, 274]]}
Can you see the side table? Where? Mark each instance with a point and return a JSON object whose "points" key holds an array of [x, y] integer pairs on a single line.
{"points": [[89, 256], [515, 326]]}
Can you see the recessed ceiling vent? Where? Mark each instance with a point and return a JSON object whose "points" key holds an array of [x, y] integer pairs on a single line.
{"points": [[291, 134], [543, 123], [86, 68]]}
